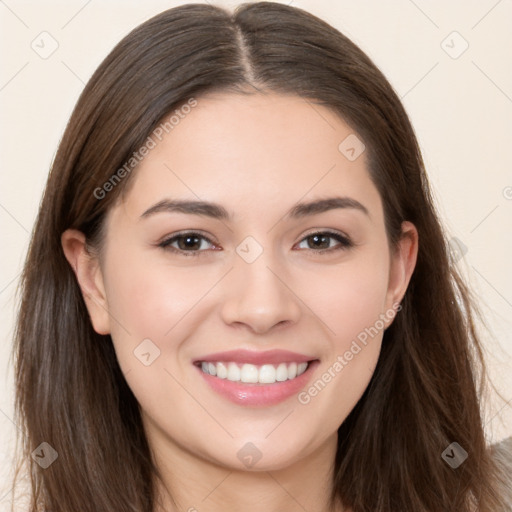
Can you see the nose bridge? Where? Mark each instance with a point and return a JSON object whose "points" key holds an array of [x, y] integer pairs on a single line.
{"points": [[256, 293]]}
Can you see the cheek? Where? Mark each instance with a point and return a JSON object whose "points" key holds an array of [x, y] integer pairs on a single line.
{"points": [[350, 302], [160, 304], [151, 302], [350, 298]]}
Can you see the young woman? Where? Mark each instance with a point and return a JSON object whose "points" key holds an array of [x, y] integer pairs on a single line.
{"points": [[238, 295]]}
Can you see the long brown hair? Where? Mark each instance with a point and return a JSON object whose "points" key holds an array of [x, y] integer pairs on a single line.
{"points": [[71, 393]]}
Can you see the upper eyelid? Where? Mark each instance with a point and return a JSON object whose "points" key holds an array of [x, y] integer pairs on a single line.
{"points": [[168, 241], [188, 232], [326, 231]]}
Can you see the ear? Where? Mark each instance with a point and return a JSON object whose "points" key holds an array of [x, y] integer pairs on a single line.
{"points": [[90, 279], [403, 262]]}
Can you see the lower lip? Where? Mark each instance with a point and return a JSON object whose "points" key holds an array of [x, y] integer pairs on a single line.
{"points": [[259, 394]]}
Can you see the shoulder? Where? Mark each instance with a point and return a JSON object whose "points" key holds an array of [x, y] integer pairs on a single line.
{"points": [[501, 453]]}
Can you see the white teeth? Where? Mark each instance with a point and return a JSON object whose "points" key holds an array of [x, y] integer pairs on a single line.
{"points": [[222, 371], [249, 373], [267, 374], [252, 374], [233, 372], [292, 370], [301, 368], [282, 372]]}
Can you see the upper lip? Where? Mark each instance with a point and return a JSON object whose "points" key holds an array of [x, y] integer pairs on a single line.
{"points": [[255, 357]]}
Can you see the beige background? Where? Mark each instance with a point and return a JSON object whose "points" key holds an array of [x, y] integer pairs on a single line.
{"points": [[459, 100]]}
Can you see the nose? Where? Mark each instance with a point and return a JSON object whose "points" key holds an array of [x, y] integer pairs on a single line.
{"points": [[259, 296]]}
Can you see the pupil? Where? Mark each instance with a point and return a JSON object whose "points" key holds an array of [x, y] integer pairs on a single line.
{"points": [[321, 239], [189, 242]]}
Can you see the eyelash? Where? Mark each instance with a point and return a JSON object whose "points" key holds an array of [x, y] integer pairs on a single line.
{"points": [[344, 242]]}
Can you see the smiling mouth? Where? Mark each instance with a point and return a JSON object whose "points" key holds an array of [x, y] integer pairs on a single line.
{"points": [[254, 374]]}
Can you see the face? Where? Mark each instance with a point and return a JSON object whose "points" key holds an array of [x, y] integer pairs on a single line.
{"points": [[246, 280]]}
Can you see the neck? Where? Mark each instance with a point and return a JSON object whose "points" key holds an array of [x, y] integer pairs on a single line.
{"points": [[192, 484]]}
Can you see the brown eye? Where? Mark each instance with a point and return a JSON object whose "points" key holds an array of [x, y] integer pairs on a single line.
{"points": [[188, 244], [322, 241]]}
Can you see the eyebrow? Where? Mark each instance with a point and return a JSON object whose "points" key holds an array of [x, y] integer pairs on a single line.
{"points": [[217, 211]]}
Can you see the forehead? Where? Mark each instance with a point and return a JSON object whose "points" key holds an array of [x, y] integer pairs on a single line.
{"points": [[250, 152]]}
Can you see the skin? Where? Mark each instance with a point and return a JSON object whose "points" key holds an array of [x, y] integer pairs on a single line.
{"points": [[256, 155]]}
